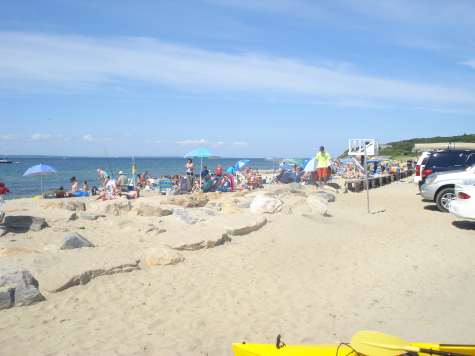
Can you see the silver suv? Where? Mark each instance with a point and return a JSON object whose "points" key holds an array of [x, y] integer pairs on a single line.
{"points": [[440, 187]]}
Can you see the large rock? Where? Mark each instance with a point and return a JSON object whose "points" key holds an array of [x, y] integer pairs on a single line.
{"points": [[209, 242], [263, 204], [328, 197], [22, 223], [317, 204], [245, 229], [75, 240], [68, 204], [189, 201], [87, 276], [115, 207], [151, 210], [184, 216], [18, 288], [161, 257]]}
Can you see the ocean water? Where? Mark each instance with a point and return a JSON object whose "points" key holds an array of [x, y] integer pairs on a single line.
{"points": [[84, 168]]}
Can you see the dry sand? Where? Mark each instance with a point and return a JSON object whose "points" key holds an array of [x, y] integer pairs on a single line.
{"points": [[408, 270]]}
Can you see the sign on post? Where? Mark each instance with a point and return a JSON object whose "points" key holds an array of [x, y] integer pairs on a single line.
{"points": [[364, 147]]}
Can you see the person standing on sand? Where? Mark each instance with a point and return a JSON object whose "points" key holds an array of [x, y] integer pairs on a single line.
{"points": [[323, 159]]}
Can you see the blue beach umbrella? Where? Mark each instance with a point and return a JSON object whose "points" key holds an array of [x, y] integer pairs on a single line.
{"points": [[241, 164], [311, 165], [40, 170], [200, 153]]}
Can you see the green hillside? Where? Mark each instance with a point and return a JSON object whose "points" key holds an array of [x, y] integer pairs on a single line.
{"points": [[404, 148]]}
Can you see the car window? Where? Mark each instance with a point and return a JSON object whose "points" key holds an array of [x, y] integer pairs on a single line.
{"points": [[447, 159], [471, 159]]}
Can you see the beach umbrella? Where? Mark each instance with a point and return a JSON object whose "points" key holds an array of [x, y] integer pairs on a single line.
{"points": [[39, 170], [311, 166], [200, 153], [241, 164]]}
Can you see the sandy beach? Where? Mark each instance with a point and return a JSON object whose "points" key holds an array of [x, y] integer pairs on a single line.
{"points": [[406, 269]]}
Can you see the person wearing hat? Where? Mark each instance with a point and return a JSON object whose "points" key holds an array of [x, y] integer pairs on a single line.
{"points": [[121, 182], [323, 159]]}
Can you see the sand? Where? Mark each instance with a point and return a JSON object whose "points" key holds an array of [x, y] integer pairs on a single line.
{"points": [[406, 270]]}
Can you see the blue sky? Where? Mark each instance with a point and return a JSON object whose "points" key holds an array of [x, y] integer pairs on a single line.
{"points": [[246, 78]]}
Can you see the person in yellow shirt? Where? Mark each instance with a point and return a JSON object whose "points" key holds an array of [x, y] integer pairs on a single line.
{"points": [[323, 159]]}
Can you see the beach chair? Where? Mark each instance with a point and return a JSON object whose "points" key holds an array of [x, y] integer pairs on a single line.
{"points": [[163, 184]]}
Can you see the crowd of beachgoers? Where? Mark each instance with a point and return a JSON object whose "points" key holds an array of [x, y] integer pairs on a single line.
{"points": [[242, 176]]}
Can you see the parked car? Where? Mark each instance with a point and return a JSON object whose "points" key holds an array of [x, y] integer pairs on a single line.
{"points": [[463, 206], [447, 160], [440, 187], [420, 167]]}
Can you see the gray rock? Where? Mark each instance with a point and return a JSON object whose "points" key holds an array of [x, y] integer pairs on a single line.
{"points": [[263, 204], [73, 217], [330, 198], [150, 210], [184, 216], [317, 204], [161, 257], [74, 205], [22, 223], [116, 207], [18, 288], [75, 240], [247, 228], [198, 245], [243, 203], [87, 276], [91, 216]]}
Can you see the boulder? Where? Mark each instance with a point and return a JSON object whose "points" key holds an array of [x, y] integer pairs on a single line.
{"points": [[73, 217], [21, 223], [184, 216], [87, 276], [247, 228], [116, 207], [212, 241], [161, 257], [75, 240], [18, 288], [68, 204], [263, 204], [317, 204], [91, 216], [328, 197], [189, 201], [151, 210]]}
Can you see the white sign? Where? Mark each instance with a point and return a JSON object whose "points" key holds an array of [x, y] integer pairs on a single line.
{"points": [[356, 147]]}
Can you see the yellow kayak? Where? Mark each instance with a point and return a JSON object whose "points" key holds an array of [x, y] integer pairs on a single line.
{"points": [[331, 350], [367, 343]]}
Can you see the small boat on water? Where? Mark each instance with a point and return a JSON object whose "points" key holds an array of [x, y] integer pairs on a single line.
{"points": [[5, 161]]}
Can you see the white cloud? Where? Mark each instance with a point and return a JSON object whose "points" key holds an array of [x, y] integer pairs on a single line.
{"points": [[77, 61], [188, 142], [48, 137], [220, 143], [88, 137], [240, 143]]}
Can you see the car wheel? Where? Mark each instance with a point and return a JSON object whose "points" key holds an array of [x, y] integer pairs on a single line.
{"points": [[444, 197]]}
